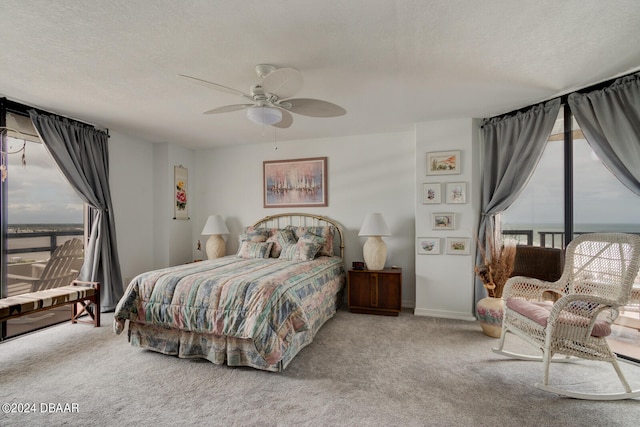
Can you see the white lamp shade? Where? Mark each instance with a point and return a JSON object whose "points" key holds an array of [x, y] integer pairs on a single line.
{"points": [[374, 225], [215, 225], [264, 115]]}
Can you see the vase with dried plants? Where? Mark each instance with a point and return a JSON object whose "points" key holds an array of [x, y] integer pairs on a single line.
{"points": [[498, 258]]}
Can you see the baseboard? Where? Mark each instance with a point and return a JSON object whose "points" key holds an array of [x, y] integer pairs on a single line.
{"points": [[444, 314], [408, 304]]}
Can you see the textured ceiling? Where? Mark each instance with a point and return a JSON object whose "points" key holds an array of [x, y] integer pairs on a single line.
{"points": [[388, 63]]}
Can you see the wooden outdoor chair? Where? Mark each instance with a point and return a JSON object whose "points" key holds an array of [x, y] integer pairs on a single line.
{"points": [[596, 281], [58, 271]]}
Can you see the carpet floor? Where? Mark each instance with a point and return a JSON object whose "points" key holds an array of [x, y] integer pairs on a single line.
{"points": [[361, 370]]}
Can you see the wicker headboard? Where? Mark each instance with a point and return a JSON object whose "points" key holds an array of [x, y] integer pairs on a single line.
{"points": [[301, 220]]}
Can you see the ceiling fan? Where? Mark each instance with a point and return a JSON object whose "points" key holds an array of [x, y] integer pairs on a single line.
{"points": [[270, 101]]}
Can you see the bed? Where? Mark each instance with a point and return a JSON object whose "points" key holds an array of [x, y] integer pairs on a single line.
{"points": [[257, 308]]}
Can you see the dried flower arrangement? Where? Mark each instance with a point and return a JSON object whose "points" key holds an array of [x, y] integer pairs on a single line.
{"points": [[497, 264]]}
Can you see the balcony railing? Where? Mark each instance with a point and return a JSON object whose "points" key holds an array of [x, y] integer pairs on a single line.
{"points": [[552, 239], [549, 239], [519, 234], [36, 244]]}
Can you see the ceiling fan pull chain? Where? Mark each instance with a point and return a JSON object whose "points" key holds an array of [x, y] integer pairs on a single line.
{"points": [[275, 141]]}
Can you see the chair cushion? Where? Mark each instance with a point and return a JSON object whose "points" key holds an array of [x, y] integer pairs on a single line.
{"points": [[34, 301], [539, 312]]}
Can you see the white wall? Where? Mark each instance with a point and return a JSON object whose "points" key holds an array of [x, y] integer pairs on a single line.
{"points": [[141, 180], [366, 173], [131, 178], [444, 283], [173, 243]]}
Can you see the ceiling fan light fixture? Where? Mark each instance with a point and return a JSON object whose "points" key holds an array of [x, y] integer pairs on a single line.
{"points": [[263, 115]]}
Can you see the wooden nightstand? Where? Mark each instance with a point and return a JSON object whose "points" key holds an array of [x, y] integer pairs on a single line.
{"points": [[375, 292]]}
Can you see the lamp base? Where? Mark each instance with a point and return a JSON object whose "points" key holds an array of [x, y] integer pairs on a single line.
{"points": [[375, 253], [216, 246]]}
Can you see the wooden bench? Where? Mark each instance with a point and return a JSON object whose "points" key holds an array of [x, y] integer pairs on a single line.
{"points": [[79, 293]]}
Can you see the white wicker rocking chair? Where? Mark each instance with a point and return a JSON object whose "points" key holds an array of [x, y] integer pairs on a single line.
{"points": [[597, 278]]}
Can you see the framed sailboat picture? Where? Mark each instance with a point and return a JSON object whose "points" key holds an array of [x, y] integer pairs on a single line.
{"points": [[295, 183]]}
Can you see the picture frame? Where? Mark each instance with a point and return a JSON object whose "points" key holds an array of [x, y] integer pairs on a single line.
{"points": [[428, 245], [458, 245], [444, 163], [456, 192], [431, 193], [180, 193], [443, 221], [295, 183]]}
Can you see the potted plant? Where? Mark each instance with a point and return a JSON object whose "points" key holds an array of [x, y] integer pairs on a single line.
{"points": [[497, 265]]}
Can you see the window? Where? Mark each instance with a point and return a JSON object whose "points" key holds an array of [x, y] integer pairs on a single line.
{"points": [[580, 195], [40, 212], [600, 202], [537, 216]]}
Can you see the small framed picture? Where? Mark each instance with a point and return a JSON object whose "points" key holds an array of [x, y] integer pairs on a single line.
{"points": [[431, 193], [443, 163], [428, 245], [443, 221], [458, 245], [456, 192]]}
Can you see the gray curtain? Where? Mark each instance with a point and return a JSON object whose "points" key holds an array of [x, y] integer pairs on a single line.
{"points": [[81, 153], [511, 149], [610, 121]]}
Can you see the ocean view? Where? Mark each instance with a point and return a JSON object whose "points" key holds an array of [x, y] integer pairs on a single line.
{"points": [[34, 242], [556, 229], [39, 228]]}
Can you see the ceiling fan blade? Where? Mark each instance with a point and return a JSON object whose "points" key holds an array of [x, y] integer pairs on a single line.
{"points": [[315, 108], [287, 120], [216, 86], [283, 82], [228, 108]]}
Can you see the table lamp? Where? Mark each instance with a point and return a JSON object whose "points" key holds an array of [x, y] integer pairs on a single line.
{"points": [[215, 227], [374, 250]]}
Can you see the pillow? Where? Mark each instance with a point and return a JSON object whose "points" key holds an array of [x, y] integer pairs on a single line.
{"points": [[279, 238], [250, 249], [286, 237], [312, 238], [254, 235], [276, 247], [289, 252], [305, 249], [326, 232]]}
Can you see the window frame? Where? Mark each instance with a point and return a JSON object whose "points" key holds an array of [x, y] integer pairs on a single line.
{"points": [[8, 106]]}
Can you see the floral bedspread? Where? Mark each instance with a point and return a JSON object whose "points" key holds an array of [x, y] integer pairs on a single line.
{"points": [[259, 299]]}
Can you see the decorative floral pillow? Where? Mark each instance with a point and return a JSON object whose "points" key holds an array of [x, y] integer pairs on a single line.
{"points": [[305, 249], [289, 252], [254, 235], [326, 232], [250, 249], [279, 237]]}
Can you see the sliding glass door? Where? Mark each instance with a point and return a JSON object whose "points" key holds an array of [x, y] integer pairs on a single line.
{"points": [[571, 189], [40, 212]]}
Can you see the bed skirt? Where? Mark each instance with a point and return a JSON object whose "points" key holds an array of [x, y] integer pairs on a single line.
{"points": [[232, 351]]}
